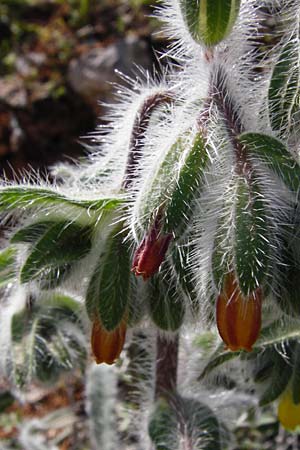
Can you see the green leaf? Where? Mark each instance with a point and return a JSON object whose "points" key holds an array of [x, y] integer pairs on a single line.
{"points": [[242, 238], [263, 365], [275, 155], [26, 197], [8, 261], [108, 290], [287, 289], [284, 87], [163, 426], [278, 381], [63, 243], [220, 357], [52, 277], [47, 339], [31, 233], [188, 181], [166, 303], [295, 382], [201, 428], [174, 184], [182, 265], [209, 21], [251, 238], [270, 336]]}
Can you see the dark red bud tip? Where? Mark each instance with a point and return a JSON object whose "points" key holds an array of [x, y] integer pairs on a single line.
{"points": [[238, 317], [150, 253]]}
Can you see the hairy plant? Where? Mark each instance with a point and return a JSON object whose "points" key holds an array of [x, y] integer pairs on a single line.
{"points": [[185, 214]]}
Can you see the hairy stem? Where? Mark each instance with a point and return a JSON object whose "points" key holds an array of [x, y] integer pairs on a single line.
{"points": [[138, 132], [166, 365]]}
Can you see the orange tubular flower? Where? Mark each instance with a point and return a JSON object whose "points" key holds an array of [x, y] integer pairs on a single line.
{"points": [[107, 345], [238, 317], [151, 252]]}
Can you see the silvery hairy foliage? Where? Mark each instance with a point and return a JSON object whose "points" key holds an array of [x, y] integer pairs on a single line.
{"points": [[183, 217]]}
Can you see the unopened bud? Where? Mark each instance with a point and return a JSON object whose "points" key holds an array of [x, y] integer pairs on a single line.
{"points": [[151, 252]]}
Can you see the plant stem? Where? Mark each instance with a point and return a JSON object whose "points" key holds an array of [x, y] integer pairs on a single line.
{"points": [[166, 365], [138, 133]]}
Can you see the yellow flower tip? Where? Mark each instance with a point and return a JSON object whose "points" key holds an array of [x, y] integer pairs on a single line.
{"points": [[107, 345], [238, 317], [288, 411]]}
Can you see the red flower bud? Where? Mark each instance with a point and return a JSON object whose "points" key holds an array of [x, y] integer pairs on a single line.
{"points": [[238, 317], [151, 252], [107, 345]]}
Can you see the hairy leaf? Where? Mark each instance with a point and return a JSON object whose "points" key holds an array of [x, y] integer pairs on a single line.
{"points": [[8, 261], [31, 233], [275, 155], [47, 339], [251, 238], [108, 290], [166, 303], [63, 243], [174, 183], [284, 87], [209, 21], [270, 336], [26, 197]]}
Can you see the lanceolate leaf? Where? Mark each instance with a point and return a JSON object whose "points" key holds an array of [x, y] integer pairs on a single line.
{"points": [[174, 184], [166, 303], [108, 290], [284, 87], [163, 426], [278, 380], [47, 339], [200, 427], [251, 237], [209, 21], [31, 233], [275, 155], [20, 197], [8, 261], [274, 334], [242, 238], [181, 259], [63, 243], [187, 183]]}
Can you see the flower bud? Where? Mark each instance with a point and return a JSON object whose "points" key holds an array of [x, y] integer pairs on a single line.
{"points": [[107, 345], [209, 21], [288, 411], [238, 317], [151, 252]]}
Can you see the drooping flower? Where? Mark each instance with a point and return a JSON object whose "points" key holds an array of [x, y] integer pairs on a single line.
{"points": [[151, 251], [238, 317], [107, 345]]}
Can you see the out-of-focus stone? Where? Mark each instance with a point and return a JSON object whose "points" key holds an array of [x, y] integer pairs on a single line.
{"points": [[12, 92], [93, 72]]}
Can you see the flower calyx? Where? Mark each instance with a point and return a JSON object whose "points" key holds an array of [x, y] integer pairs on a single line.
{"points": [[107, 345], [238, 316]]}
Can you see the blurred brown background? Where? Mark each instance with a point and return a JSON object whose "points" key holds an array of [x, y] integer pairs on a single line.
{"points": [[57, 60]]}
